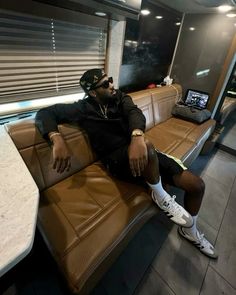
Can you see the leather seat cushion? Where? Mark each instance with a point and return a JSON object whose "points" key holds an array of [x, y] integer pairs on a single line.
{"points": [[186, 129], [86, 216], [162, 139], [180, 138]]}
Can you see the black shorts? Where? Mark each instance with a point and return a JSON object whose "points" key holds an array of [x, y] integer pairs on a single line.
{"points": [[118, 165]]}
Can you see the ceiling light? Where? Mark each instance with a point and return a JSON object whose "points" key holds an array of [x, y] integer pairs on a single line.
{"points": [[100, 13], [203, 73], [224, 8], [177, 24], [231, 14], [192, 29], [145, 12], [159, 17]]}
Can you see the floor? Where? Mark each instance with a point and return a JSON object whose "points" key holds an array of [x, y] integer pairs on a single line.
{"points": [[157, 261], [178, 267]]}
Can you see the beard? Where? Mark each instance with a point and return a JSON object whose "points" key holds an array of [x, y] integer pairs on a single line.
{"points": [[105, 99]]}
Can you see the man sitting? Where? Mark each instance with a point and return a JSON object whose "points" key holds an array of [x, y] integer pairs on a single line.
{"points": [[116, 126]]}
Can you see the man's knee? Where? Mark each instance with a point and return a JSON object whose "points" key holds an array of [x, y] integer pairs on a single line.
{"points": [[190, 183], [151, 150], [197, 186]]}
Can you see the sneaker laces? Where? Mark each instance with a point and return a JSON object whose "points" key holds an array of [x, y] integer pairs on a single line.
{"points": [[203, 241], [172, 206]]}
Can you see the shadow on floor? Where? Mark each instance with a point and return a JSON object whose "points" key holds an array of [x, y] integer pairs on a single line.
{"points": [[37, 274]]}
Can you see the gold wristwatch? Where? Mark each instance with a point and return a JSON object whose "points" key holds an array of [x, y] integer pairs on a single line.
{"points": [[137, 132]]}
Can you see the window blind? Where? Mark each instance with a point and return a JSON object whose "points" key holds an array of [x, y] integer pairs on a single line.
{"points": [[41, 57]]}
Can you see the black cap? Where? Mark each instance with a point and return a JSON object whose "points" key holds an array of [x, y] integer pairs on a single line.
{"points": [[90, 79]]}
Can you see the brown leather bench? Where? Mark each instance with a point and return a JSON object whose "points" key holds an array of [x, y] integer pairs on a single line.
{"points": [[174, 136], [86, 216]]}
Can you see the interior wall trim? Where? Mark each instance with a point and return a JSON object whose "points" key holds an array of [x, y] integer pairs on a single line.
{"points": [[224, 76], [176, 45]]}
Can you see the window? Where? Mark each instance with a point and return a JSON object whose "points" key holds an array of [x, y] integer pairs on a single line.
{"points": [[149, 46], [42, 57]]}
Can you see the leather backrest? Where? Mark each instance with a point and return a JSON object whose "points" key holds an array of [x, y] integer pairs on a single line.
{"points": [[157, 103], [143, 100], [163, 99], [37, 153]]}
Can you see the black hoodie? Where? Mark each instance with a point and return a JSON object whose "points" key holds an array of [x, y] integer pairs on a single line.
{"points": [[105, 134]]}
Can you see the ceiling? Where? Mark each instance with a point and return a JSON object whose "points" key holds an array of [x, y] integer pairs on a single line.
{"points": [[196, 6]]}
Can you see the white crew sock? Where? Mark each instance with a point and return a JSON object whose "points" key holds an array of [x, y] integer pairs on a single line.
{"points": [[192, 231], [159, 191]]}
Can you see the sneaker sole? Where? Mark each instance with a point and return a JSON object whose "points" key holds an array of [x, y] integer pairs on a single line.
{"points": [[170, 216], [182, 234]]}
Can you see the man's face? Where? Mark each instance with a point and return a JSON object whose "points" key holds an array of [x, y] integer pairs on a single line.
{"points": [[105, 89]]}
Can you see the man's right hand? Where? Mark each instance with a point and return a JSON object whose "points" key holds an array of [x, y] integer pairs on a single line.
{"points": [[61, 154]]}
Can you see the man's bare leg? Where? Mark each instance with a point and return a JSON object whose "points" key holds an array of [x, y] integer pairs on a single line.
{"points": [[167, 203], [194, 188]]}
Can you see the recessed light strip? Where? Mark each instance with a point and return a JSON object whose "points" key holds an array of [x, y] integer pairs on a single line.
{"points": [[224, 8], [100, 13], [145, 12]]}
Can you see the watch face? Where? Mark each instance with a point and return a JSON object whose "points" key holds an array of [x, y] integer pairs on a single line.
{"points": [[137, 133]]}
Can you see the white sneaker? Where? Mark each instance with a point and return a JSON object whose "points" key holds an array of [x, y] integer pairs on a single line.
{"points": [[200, 242], [174, 211]]}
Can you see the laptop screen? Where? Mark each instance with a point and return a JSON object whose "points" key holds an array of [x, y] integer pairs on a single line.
{"points": [[196, 98]]}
